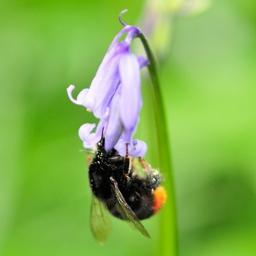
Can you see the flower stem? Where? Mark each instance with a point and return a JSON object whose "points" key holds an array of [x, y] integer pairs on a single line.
{"points": [[168, 242]]}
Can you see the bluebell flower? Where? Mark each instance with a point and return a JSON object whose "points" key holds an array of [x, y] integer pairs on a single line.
{"points": [[114, 97]]}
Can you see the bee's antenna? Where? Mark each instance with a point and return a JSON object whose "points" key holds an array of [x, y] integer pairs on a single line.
{"points": [[102, 132]]}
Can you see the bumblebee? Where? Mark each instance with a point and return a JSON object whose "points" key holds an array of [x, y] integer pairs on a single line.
{"points": [[125, 190]]}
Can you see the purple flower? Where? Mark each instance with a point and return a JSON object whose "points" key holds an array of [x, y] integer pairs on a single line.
{"points": [[114, 97]]}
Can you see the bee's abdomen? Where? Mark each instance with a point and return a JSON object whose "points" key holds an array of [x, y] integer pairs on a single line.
{"points": [[139, 198]]}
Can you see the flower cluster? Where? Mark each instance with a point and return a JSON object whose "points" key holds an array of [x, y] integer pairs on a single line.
{"points": [[114, 97]]}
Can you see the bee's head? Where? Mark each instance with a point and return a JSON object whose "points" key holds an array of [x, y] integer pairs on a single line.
{"points": [[101, 144]]}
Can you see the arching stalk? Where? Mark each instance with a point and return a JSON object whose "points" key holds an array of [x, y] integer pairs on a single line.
{"points": [[168, 240]]}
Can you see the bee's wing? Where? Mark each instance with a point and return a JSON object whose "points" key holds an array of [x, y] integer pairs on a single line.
{"points": [[126, 211], [100, 223]]}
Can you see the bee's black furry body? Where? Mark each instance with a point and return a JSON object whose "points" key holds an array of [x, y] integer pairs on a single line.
{"points": [[137, 191]]}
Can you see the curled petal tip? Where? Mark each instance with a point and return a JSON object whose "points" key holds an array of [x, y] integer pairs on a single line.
{"points": [[70, 90], [88, 137], [85, 130], [82, 98]]}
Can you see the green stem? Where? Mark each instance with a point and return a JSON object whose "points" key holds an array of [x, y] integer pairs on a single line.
{"points": [[168, 243]]}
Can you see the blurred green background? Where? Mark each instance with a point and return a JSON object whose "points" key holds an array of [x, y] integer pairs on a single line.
{"points": [[208, 79]]}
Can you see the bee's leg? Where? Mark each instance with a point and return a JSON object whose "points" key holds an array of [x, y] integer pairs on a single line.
{"points": [[126, 150], [127, 157], [127, 165], [130, 165]]}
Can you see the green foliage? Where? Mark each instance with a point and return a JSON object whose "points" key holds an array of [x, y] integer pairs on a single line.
{"points": [[208, 84]]}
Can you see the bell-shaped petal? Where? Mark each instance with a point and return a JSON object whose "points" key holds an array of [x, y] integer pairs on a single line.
{"points": [[130, 100], [137, 148], [114, 128], [105, 82], [114, 97], [107, 77]]}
